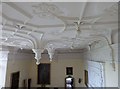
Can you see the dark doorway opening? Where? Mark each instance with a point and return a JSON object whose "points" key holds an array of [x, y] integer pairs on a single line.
{"points": [[15, 80]]}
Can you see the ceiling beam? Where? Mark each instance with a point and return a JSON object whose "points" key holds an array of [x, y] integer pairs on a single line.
{"points": [[83, 11]]}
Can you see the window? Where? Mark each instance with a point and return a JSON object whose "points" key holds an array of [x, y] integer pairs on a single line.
{"points": [[44, 73]]}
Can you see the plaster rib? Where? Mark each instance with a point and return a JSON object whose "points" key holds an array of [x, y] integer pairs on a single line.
{"points": [[23, 36]]}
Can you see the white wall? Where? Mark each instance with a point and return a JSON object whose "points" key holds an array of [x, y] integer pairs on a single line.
{"points": [[3, 67], [119, 75], [25, 63], [18, 62], [95, 73], [110, 76], [58, 69]]}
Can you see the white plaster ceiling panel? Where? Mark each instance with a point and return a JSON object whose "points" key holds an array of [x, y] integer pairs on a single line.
{"points": [[60, 25], [41, 12], [45, 21], [97, 8], [110, 19], [66, 8], [9, 12], [59, 44], [51, 30], [71, 9]]}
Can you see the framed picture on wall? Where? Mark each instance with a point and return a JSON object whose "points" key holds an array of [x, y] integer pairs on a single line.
{"points": [[44, 73], [69, 70]]}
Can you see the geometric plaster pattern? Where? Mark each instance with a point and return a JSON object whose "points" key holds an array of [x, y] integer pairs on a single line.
{"points": [[40, 26]]}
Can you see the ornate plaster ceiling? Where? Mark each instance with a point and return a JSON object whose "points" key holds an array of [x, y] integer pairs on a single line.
{"points": [[37, 25]]}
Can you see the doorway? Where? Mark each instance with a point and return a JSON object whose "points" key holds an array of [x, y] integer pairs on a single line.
{"points": [[15, 80]]}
